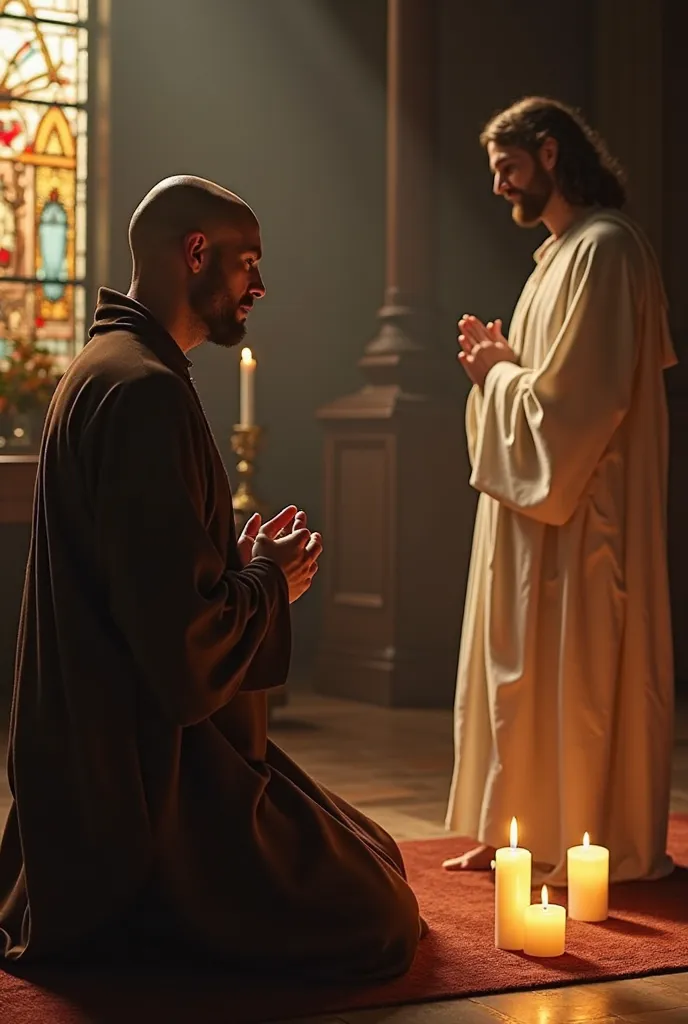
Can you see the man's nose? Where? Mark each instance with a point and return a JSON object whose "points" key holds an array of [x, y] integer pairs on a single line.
{"points": [[257, 288], [497, 184]]}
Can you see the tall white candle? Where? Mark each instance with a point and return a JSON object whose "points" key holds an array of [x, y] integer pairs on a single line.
{"points": [[545, 928], [513, 871], [588, 879], [247, 371]]}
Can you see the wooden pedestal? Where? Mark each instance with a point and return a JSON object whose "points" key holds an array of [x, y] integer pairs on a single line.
{"points": [[398, 528], [17, 481]]}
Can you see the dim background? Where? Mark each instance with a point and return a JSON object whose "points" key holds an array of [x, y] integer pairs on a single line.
{"points": [[283, 101]]}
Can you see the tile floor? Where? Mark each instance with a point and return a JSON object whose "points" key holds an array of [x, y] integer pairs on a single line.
{"points": [[395, 765]]}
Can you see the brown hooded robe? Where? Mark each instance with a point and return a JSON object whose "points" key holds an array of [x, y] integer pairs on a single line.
{"points": [[147, 795]]}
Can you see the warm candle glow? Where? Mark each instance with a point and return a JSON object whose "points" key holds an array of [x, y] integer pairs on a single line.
{"points": [[544, 926], [247, 374], [513, 867], [588, 881]]}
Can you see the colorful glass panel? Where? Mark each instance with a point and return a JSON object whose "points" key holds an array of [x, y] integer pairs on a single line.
{"points": [[21, 317], [42, 61], [48, 10], [43, 160]]}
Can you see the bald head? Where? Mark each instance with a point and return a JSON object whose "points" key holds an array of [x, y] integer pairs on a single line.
{"points": [[196, 248], [181, 205]]}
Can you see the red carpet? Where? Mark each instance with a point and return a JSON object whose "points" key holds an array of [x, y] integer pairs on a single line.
{"points": [[647, 933]]}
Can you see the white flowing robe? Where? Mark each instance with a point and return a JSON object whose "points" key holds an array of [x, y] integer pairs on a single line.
{"points": [[564, 706]]}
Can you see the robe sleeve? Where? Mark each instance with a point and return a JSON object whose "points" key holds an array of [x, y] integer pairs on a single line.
{"points": [[540, 434], [193, 628]]}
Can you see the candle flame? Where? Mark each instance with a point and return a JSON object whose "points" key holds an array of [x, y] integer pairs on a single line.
{"points": [[545, 898], [586, 839], [246, 356], [513, 834]]}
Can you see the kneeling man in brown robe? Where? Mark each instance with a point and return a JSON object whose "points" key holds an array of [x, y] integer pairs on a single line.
{"points": [[148, 800]]}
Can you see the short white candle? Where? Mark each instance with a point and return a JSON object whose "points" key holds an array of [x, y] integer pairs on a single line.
{"points": [[513, 872], [588, 879], [247, 371], [544, 928]]}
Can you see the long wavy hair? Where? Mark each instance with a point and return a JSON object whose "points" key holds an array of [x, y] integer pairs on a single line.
{"points": [[585, 173]]}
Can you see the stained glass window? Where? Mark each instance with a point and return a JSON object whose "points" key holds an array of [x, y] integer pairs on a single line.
{"points": [[43, 161]]}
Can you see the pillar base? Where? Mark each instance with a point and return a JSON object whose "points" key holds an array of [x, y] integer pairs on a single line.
{"points": [[390, 678]]}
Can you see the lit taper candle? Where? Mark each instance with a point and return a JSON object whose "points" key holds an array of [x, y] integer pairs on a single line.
{"points": [[247, 372]]}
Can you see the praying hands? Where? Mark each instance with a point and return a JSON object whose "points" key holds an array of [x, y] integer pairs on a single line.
{"points": [[482, 347]]}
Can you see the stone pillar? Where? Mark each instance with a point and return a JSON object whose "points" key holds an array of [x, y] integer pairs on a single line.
{"points": [[404, 316], [397, 522], [98, 185]]}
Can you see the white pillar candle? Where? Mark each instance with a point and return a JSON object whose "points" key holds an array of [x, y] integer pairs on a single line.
{"points": [[544, 928], [247, 371], [513, 870], [588, 879]]}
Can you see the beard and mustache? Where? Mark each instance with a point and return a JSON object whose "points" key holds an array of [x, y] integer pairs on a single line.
{"points": [[216, 310], [530, 204]]}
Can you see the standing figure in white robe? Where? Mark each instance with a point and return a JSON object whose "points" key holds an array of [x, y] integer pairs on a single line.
{"points": [[564, 706]]}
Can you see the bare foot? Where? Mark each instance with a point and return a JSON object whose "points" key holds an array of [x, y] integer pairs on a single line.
{"points": [[478, 859]]}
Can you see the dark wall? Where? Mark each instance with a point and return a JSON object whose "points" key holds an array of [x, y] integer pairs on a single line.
{"points": [[674, 159], [285, 104], [487, 63], [674, 226]]}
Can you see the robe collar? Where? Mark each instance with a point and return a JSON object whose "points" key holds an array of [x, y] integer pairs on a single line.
{"points": [[551, 243], [118, 312]]}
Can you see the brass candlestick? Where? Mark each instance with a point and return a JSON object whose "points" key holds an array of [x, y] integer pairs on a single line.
{"points": [[245, 444]]}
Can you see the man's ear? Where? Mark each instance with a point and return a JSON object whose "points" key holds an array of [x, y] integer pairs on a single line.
{"points": [[549, 152], [195, 245]]}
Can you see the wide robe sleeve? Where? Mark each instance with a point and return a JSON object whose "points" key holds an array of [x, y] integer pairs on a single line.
{"points": [[193, 627], [538, 435]]}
